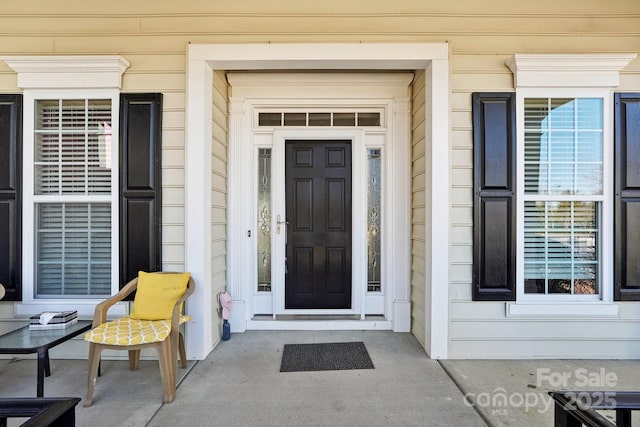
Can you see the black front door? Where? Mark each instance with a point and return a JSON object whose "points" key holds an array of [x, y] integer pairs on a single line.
{"points": [[318, 199]]}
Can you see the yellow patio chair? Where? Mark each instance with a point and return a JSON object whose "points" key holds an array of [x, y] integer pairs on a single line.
{"points": [[154, 321]]}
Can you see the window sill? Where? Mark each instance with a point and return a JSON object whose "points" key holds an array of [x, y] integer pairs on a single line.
{"points": [[85, 308], [540, 309]]}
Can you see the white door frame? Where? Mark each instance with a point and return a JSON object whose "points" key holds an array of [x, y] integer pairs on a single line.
{"points": [[358, 211], [433, 58]]}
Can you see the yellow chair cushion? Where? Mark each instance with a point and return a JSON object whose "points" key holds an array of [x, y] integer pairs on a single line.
{"points": [[127, 331], [157, 294]]}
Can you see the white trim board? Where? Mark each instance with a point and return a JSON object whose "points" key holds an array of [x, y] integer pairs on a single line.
{"points": [[64, 72], [202, 59], [319, 325], [568, 70]]}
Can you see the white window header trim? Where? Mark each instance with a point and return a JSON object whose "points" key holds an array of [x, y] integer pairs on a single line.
{"points": [[62, 72], [568, 70]]}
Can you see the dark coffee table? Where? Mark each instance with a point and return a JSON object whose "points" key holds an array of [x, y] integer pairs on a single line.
{"points": [[25, 341]]}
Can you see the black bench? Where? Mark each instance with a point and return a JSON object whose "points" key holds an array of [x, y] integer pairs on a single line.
{"points": [[577, 408], [42, 412]]}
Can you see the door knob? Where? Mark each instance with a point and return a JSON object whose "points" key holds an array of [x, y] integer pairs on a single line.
{"points": [[278, 222]]}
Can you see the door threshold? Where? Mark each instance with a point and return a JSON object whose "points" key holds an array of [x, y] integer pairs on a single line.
{"points": [[296, 322], [317, 317]]}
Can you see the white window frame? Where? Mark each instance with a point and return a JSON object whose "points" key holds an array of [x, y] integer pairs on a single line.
{"points": [[605, 249], [573, 76], [30, 199], [65, 77]]}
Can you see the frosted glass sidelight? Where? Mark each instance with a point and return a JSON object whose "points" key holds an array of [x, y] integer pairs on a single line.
{"points": [[264, 220], [374, 211]]}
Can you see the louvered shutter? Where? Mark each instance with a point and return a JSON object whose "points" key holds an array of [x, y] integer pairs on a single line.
{"points": [[494, 207]]}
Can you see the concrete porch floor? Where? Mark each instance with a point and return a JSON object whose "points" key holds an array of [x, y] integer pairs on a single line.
{"points": [[239, 384]]}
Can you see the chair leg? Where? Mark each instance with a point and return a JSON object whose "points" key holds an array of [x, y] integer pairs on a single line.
{"points": [[94, 363], [174, 339], [134, 359], [183, 353], [165, 357]]}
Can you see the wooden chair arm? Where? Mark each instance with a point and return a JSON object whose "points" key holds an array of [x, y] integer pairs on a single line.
{"points": [[100, 313]]}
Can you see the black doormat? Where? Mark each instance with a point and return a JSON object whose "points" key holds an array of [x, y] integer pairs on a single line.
{"points": [[325, 357]]}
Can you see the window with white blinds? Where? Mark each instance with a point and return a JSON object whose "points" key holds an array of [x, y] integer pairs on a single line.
{"points": [[73, 147], [72, 196], [563, 195], [73, 249]]}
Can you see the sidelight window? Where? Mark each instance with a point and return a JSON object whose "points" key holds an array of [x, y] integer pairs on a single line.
{"points": [[374, 211], [264, 220]]}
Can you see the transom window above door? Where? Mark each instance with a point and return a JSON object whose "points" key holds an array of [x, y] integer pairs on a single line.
{"points": [[320, 118]]}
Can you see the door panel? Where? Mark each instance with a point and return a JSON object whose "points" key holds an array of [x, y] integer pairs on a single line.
{"points": [[318, 207], [303, 209]]}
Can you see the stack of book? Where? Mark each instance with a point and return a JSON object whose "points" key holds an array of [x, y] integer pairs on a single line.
{"points": [[53, 320]]}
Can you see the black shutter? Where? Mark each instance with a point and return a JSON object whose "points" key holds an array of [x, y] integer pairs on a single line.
{"points": [[494, 199], [141, 184], [10, 196], [627, 197]]}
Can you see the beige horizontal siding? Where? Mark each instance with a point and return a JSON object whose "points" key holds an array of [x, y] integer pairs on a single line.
{"points": [[540, 348], [484, 334], [418, 212], [172, 45], [461, 214], [327, 7], [471, 27], [83, 25], [629, 83], [219, 163]]}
